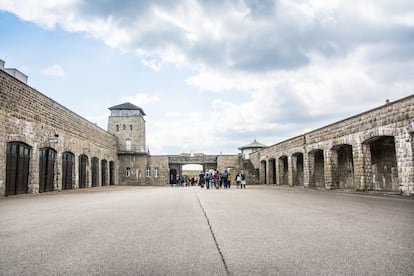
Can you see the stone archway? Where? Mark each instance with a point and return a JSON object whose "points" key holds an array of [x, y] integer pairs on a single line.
{"points": [[343, 167], [297, 169], [283, 170], [382, 164], [316, 169]]}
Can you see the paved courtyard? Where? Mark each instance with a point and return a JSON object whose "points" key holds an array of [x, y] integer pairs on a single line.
{"points": [[262, 230]]}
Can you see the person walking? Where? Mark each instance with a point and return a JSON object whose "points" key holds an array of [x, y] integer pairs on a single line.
{"points": [[243, 180], [228, 179], [224, 176], [238, 180]]}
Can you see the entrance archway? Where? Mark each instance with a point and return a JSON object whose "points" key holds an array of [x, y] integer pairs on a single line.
{"points": [[47, 158], [83, 170], [67, 170], [297, 163], [316, 168], [283, 170], [94, 169], [17, 168], [344, 168], [384, 163]]}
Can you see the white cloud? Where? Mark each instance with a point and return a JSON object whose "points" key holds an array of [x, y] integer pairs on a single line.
{"points": [[54, 70], [301, 63], [141, 99]]}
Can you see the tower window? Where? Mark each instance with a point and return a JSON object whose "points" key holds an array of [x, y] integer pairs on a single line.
{"points": [[128, 172], [117, 128], [148, 172], [130, 127], [156, 172], [128, 145], [124, 127]]}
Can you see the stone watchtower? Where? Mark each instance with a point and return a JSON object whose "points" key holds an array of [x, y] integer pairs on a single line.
{"points": [[128, 125]]}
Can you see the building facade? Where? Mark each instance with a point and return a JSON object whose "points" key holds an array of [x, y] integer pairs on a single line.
{"points": [[372, 151], [45, 147]]}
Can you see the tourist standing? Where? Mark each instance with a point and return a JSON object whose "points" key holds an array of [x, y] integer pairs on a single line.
{"points": [[228, 179]]}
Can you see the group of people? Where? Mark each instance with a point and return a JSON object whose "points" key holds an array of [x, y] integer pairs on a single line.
{"points": [[212, 179]]}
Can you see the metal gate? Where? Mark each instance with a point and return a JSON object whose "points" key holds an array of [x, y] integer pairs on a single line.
{"points": [[67, 170], [95, 169], [83, 164], [47, 158], [104, 171], [17, 168], [111, 172]]}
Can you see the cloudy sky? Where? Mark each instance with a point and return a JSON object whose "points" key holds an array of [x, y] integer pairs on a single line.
{"points": [[214, 75]]}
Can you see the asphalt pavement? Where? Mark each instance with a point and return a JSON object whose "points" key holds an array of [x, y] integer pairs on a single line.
{"points": [[263, 230]]}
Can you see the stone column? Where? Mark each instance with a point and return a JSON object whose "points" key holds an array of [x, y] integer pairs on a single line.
{"points": [[34, 170], [58, 171], [329, 168], [405, 162], [311, 169], [306, 169], [290, 170]]}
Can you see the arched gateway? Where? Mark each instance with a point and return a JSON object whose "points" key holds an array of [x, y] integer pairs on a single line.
{"points": [[176, 162]]}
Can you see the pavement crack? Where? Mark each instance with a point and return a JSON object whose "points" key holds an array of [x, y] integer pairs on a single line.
{"points": [[214, 237]]}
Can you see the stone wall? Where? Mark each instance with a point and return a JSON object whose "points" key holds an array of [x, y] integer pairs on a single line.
{"points": [[369, 151], [130, 128], [29, 117]]}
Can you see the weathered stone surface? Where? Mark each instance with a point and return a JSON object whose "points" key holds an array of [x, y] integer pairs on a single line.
{"points": [[369, 151]]}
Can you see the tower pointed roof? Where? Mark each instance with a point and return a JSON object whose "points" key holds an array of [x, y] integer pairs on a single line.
{"points": [[127, 106], [253, 145]]}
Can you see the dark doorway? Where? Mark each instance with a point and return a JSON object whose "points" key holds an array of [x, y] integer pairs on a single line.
{"points": [[283, 170], [17, 168], [104, 172], [319, 169], [264, 177], [298, 176], [111, 173], [47, 158], [83, 165], [67, 170], [384, 164], [345, 171], [95, 170], [173, 176]]}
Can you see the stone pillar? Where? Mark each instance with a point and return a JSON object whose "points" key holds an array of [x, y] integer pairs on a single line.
{"points": [[329, 168], [75, 173], [290, 170], [34, 171], [405, 162], [306, 169], [58, 171], [311, 169]]}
